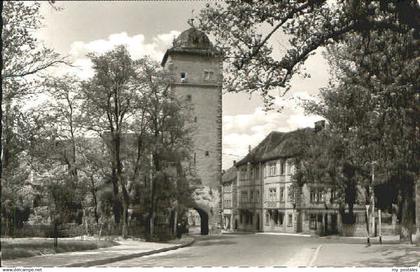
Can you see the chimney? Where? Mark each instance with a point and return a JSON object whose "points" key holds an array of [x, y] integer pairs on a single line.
{"points": [[319, 125], [234, 162], [249, 148]]}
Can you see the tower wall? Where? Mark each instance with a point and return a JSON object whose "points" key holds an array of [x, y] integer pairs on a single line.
{"points": [[198, 80]]}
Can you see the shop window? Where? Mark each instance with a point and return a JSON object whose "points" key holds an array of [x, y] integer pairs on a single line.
{"points": [[281, 219], [312, 221], [267, 219], [290, 220]]}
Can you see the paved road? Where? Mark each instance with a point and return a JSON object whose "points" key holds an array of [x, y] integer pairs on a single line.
{"points": [[278, 250], [236, 250]]}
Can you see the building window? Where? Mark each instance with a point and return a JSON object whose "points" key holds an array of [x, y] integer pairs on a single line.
{"points": [[242, 173], [251, 196], [257, 195], [282, 167], [312, 221], [195, 158], [281, 194], [195, 119], [291, 168], [206, 153], [251, 217], [183, 77], [244, 196], [208, 75], [272, 169], [188, 97], [290, 221], [272, 192], [316, 195]]}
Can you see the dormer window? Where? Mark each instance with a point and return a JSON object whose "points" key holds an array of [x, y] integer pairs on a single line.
{"points": [[183, 77]]}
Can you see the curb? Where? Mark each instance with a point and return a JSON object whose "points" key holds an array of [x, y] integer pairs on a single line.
{"points": [[129, 256]]}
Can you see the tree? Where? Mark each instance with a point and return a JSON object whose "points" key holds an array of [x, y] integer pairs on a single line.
{"points": [[110, 100], [372, 105], [130, 105], [169, 141], [23, 60], [246, 32]]}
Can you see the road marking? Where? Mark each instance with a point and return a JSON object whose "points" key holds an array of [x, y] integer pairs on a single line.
{"points": [[311, 263]]}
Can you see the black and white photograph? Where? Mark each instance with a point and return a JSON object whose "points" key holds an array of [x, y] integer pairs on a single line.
{"points": [[210, 134]]}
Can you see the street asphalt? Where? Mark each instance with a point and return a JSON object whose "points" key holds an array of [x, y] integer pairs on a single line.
{"points": [[278, 250]]}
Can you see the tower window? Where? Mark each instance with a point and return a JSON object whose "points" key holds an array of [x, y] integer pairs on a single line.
{"points": [[207, 153], [188, 97], [183, 76], [208, 75]]}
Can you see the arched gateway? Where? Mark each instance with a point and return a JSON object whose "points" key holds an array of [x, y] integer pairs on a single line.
{"points": [[197, 70]]}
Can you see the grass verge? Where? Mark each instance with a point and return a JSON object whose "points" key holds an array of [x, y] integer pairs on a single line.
{"points": [[20, 248]]}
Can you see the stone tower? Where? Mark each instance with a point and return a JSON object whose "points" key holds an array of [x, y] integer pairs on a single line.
{"points": [[197, 69]]}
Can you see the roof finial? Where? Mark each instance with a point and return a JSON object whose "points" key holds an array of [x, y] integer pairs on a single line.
{"points": [[191, 20]]}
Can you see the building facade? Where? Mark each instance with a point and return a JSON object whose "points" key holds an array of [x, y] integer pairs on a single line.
{"points": [[268, 201], [196, 67], [229, 198]]}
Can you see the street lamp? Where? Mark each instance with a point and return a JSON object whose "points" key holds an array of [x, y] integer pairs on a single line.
{"points": [[367, 224]]}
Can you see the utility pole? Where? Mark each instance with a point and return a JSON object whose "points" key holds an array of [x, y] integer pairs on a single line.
{"points": [[373, 198], [151, 216]]}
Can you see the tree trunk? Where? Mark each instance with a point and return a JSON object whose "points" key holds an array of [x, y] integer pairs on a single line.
{"points": [[115, 201], [125, 211], [95, 200], [406, 212]]}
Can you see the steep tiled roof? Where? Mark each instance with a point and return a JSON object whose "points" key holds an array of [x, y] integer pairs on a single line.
{"points": [[277, 145], [229, 175]]}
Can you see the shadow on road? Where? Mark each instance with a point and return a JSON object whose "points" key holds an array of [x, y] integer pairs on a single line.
{"points": [[394, 256]]}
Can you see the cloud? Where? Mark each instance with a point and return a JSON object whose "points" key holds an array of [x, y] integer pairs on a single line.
{"points": [[136, 45]]}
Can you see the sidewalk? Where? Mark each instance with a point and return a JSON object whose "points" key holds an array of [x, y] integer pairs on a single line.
{"points": [[126, 250], [359, 255], [387, 239], [284, 234]]}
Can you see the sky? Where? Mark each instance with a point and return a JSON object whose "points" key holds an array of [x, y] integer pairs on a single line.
{"points": [[148, 28]]}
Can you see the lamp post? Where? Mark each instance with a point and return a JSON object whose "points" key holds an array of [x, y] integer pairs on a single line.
{"points": [[367, 224], [373, 198]]}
